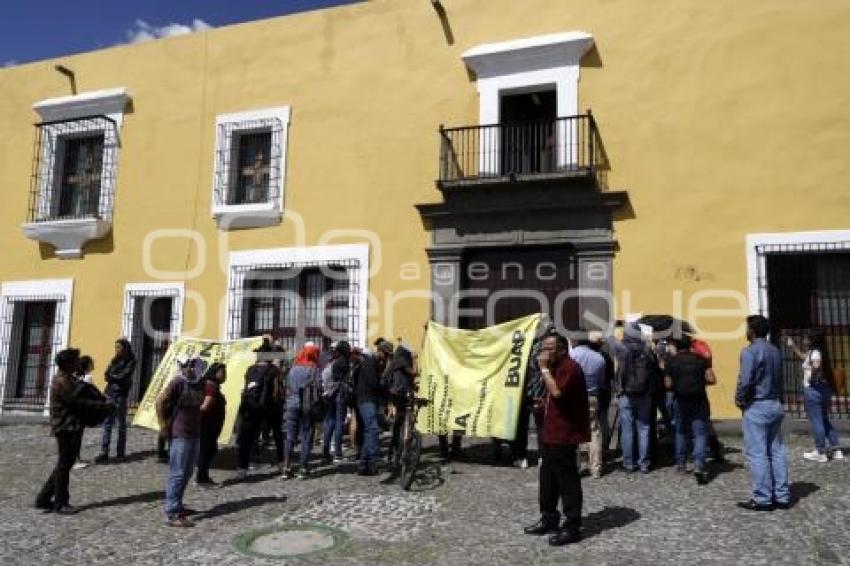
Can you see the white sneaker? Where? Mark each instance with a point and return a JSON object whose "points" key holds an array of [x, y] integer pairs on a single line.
{"points": [[81, 464], [522, 463], [837, 454], [815, 456]]}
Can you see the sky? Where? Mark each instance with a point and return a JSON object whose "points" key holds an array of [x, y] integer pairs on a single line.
{"points": [[31, 31]]}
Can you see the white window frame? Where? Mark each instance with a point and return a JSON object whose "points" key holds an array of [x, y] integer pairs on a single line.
{"points": [[528, 65], [23, 291], [68, 236], [308, 255], [175, 289], [756, 264], [234, 216]]}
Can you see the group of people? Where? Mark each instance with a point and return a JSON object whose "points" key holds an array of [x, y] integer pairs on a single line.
{"points": [[569, 388]]}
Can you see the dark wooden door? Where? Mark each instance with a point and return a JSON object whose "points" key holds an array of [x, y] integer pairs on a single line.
{"points": [[510, 283], [36, 347]]}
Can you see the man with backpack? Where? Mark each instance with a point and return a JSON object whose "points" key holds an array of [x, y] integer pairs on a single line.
{"points": [[636, 375], [686, 375], [178, 409], [335, 391], [255, 405]]}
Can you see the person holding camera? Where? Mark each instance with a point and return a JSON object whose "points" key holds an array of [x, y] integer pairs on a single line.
{"points": [[566, 425]]}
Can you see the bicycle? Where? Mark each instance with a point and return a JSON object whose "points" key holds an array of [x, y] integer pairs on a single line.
{"points": [[411, 441]]}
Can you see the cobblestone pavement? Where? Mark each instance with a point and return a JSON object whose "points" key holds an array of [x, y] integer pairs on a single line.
{"points": [[470, 512]]}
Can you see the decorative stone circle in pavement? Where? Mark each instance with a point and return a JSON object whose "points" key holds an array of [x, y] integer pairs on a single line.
{"points": [[290, 541], [370, 516]]}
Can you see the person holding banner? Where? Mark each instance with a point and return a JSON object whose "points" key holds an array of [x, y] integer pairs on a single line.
{"points": [[178, 409], [566, 425]]}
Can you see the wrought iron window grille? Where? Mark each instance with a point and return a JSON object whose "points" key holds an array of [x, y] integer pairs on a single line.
{"points": [[248, 162], [28, 344], [74, 169]]}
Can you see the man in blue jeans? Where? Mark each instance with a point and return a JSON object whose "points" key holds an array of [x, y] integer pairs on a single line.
{"points": [[636, 374], [178, 409], [367, 390], [759, 396]]}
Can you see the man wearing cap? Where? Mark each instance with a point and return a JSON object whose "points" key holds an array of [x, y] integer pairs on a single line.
{"points": [[178, 409]]}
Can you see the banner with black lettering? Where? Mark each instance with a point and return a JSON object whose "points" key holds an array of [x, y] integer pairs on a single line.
{"points": [[237, 355], [474, 379]]}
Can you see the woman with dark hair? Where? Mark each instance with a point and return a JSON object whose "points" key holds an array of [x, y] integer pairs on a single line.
{"points": [[119, 377], [817, 395], [212, 421]]}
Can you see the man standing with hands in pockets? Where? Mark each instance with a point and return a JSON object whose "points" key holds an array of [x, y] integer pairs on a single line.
{"points": [[566, 425]]}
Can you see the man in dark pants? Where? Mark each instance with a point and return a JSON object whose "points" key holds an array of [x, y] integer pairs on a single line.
{"points": [[367, 391], [566, 424], [259, 389], [66, 426]]}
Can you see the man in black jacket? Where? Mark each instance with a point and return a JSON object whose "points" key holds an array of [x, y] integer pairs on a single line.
{"points": [[65, 423], [367, 389], [119, 377]]}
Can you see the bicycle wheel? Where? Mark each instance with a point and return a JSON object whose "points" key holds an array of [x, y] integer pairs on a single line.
{"points": [[410, 459]]}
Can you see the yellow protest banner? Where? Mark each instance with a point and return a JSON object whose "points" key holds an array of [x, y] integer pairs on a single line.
{"points": [[237, 355], [474, 379]]}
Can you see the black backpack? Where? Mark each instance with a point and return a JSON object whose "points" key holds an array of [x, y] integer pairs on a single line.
{"points": [[688, 373], [313, 405], [640, 372], [255, 394]]}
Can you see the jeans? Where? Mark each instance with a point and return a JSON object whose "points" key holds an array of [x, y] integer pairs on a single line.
{"points": [[369, 449], [559, 479], [298, 425], [54, 492], [333, 425], [635, 413], [765, 452], [120, 415], [817, 399], [691, 416], [181, 462]]}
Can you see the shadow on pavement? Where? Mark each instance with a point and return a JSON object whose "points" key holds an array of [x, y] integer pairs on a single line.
{"points": [[802, 489], [236, 506], [607, 518], [250, 478], [714, 470], [147, 497]]}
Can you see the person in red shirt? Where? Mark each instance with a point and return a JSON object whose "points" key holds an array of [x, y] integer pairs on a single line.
{"points": [[566, 425]]}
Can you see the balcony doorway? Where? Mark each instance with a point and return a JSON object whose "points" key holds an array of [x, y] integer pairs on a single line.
{"points": [[528, 132]]}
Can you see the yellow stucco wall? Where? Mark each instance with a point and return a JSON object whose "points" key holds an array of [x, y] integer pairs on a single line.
{"points": [[720, 119]]}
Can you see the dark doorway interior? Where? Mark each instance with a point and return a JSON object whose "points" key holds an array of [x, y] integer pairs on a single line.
{"points": [[808, 290], [151, 339], [528, 134], [33, 328]]}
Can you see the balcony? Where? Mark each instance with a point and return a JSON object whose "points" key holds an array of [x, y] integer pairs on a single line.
{"points": [[567, 149]]}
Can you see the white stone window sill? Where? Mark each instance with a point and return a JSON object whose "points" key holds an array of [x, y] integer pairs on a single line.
{"points": [[67, 236], [236, 216]]}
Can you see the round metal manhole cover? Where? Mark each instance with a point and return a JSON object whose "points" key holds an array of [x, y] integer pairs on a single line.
{"points": [[290, 541]]}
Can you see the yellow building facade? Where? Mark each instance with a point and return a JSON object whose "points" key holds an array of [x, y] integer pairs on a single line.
{"points": [[312, 143]]}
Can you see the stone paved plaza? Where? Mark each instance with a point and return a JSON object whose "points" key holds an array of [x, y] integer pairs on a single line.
{"points": [[469, 512]]}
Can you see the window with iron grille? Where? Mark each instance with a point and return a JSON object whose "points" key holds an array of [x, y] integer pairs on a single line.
{"points": [[74, 169], [152, 320], [250, 158], [296, 303], [30, 339]]}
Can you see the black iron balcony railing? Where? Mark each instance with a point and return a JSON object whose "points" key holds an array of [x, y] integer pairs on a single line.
{"points": [[567, 147]]}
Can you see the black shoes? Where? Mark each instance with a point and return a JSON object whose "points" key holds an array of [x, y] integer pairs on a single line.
{"points": [[702, 477], [45, 507], [753, 506], [567, 535], [542, 527], [66, 510], [101, 459], [782, 506]]}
